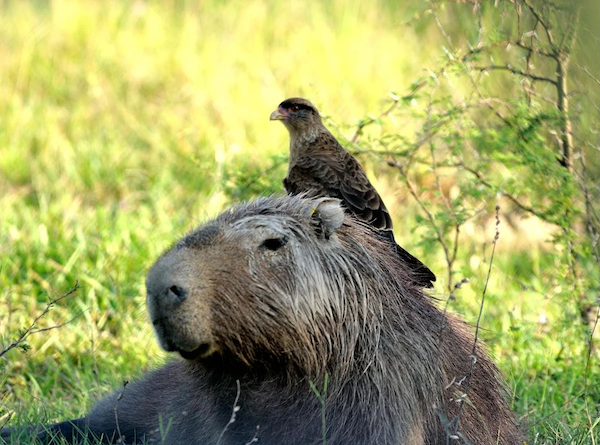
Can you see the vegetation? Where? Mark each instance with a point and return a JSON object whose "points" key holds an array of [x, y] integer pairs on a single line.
{"points": [[125, 124]]}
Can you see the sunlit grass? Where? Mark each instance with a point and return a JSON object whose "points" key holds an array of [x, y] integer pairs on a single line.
{"points": [[125, 124]]}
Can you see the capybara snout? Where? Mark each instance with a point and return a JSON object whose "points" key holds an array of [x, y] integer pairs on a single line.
{"points": [[176, 305]]}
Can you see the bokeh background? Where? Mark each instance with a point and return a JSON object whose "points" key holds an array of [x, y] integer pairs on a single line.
{"points": [[124, 124]]}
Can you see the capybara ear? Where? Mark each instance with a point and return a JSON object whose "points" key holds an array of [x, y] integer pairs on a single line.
{"points": [[327, 214]]}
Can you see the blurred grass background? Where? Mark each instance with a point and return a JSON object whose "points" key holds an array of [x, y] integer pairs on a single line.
{"points": [[124, 124]]}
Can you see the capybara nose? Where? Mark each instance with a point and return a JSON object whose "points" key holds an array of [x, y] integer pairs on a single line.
{"points": [[176, 294]]}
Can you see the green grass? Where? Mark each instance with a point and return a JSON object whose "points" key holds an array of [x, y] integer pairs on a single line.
{"points": [[126, 124]]}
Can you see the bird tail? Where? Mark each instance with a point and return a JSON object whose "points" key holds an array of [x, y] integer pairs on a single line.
{"points": [[421, 273]]}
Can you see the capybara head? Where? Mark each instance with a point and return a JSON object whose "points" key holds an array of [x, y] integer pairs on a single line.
{"points": [[282, 280]]}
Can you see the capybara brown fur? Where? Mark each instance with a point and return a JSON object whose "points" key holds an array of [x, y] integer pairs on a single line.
{"points": [[267, 303]]}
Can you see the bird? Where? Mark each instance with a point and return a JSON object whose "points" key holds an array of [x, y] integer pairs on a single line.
{"points": [[320, 166]]}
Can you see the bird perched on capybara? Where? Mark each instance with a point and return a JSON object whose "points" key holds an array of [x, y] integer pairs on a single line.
{"points": [[320, 166], [272, 299]]}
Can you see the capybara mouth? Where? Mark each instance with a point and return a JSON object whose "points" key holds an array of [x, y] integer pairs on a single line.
{"points": [[202, 351]]}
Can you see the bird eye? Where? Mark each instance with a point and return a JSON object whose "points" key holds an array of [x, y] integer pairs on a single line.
{"points": [[294, 108], [274, 243]]}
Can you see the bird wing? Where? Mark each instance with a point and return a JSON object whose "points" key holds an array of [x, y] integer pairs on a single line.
{"points": [[361, 197], [363, 200], [313, 175], [341, 176]]}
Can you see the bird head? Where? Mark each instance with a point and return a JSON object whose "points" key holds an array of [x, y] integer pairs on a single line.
{"points": [[298, 115]]}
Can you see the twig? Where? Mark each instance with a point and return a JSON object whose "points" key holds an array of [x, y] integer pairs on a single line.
{"points": [[95, 370], [395, 101], [452, 257], [587, 368], [593, 230], [247, 183], [430, 217], [31, 329], [586, 71], [507, 43], [234, 411], [477, 326], [322, 397], [515, 201], [532, 92], [255, 437], [516, 71], [10, 301], [570, 35], [438, 371], [566, 403], [462, 61], [120, 438], [542, 22]]}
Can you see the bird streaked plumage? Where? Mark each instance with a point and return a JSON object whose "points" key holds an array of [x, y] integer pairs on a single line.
{"points": [[320, 166]]}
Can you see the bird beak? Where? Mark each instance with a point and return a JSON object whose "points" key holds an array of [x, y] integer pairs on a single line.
{"points": [[279, 115]]}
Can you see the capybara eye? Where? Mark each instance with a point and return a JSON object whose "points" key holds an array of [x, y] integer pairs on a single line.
{"points": [[274, 243]]}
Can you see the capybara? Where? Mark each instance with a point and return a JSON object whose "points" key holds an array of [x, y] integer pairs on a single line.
{"points": [[296, 324]]}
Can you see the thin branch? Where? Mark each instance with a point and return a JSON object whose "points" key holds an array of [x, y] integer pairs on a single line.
{"points": [[120, 438], [31, 329], [430, 217], [455, 249], [450, 258], [517, 72], [562, 69], [593, 219], [524, 46], [519, 13], [477, 326], [322, 397], [395, 101], [588, 364], [559, 409], [515, 201], [570, 34], [424, 137], [438, 23], [544, 24], [451, 297], [477, 7], [534, 93], [593, 230], [586, 71], [255, 437], [234, 411]]}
